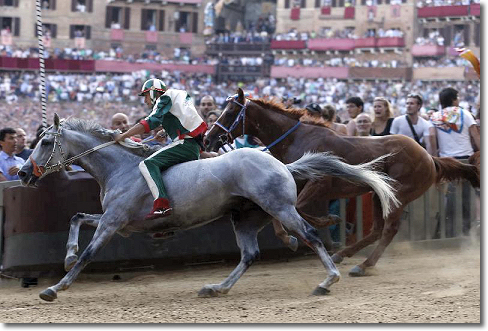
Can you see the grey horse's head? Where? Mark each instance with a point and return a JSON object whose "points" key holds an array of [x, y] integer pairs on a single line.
{"points": [[217, 136], [47, 153]]}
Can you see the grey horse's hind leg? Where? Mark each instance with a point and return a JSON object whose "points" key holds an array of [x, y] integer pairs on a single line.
{"points": [[105, 230], [74, 231], [290, 218], [246, 227]]}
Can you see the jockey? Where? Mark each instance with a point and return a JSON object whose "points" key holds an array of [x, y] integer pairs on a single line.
{"points": [[174, 111]]}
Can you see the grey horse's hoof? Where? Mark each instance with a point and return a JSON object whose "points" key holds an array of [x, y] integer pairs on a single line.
{"points": [[336, 258], [293, 243], [48, 295], [320, 291], [357, 271], [207, 292], [69, 262]]}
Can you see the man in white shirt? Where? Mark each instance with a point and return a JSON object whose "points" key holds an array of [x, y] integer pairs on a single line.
{"points": [[455, 127], [423, 131]]}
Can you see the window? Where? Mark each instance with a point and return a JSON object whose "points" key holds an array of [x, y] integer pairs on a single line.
{"points": [[48, 4], [48, 29], [150, 48], [80, 31], [12, 24], [287, 3], [10, 3], [341, 3], [82, 6], [186, 22], [303, 3], [117, 18], [318, 3]]}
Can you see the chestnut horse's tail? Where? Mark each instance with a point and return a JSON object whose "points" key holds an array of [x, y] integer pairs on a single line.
{"points": [[449, 169]]}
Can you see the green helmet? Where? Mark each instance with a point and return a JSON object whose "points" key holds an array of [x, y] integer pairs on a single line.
{"points": [[152, 85]]}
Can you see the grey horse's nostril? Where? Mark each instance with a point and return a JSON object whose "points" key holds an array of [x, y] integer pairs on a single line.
{"points": [[22, 174]]}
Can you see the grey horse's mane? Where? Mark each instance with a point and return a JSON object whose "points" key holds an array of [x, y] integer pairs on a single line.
{"points": [[95, 129]]}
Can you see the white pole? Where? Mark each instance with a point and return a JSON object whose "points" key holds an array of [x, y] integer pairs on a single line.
{"points": [[42, 87]]}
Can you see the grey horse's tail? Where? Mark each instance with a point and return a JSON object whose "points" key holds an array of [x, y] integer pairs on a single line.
{"points": [[312, 166]]}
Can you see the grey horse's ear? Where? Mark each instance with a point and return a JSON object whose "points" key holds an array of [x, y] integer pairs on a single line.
{"points": [[240, 95], [56, 120]]}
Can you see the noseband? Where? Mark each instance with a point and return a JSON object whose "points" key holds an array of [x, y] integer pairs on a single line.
{"points": [[242, 115], [41, 171]]}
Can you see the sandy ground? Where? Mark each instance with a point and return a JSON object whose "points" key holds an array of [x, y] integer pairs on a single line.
{"points": [[433, 286]]}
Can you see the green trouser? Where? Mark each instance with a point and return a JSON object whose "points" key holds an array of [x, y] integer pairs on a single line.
{"points": [[178, 151]]}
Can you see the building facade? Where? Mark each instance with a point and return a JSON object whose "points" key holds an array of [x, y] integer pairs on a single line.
{"points": [[134, 25]]}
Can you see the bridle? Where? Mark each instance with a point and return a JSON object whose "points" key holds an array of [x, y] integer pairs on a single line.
{"points": [[227, 138], [41, 171]]}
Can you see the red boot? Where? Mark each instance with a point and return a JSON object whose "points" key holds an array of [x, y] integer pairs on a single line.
{"points": [[160, 209]]}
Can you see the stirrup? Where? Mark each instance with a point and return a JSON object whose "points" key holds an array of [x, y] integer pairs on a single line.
{"points": [[159, 213]]}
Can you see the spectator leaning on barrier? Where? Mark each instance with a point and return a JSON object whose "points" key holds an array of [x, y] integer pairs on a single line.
{"points": [[21, 151], [354, 107], [9, 163], [383, 117], [414, 126]]}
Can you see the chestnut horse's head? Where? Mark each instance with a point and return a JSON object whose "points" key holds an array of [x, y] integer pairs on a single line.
{"points": [[229, 125]]}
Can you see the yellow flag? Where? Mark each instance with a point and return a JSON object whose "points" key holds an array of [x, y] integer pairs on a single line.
{"points": [[468, 55]]}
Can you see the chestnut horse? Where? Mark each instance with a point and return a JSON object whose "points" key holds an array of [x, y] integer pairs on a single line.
{"points": [[287, 138]]}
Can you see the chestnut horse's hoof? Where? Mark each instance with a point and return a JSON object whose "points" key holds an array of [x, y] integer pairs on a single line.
{"points": [[48, 295], [320, 291], [357, 271], [336, 258], [293, 243]]}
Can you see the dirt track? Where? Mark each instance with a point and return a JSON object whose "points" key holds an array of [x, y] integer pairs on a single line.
{"points": [[435, 286]]}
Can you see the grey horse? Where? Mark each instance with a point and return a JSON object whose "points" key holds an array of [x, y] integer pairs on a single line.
{"points": [[251, 185]]}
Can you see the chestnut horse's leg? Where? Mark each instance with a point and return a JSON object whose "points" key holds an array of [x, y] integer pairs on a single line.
{"points": [[281, 233], [392, 224], [378, 225]]}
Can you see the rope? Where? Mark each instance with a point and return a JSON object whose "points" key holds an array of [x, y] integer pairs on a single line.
{"points": [[42, 87]]}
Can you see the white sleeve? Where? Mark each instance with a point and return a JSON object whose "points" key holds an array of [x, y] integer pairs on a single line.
{"points": [[468, 118], [395, 126]]}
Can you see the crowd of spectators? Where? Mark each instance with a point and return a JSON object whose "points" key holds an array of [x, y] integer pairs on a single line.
{"points": [[114, 54], [100, 96], [432, 3], [337, 62]]}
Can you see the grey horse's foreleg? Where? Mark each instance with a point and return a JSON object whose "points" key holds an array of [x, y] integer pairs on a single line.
{"points": [[104, 232], [74, 231], [246, 228]]}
